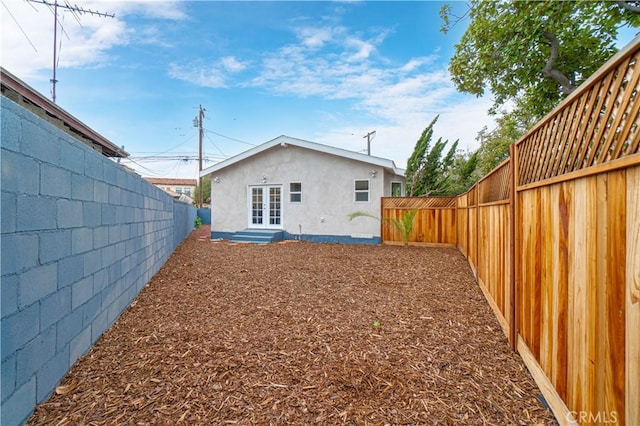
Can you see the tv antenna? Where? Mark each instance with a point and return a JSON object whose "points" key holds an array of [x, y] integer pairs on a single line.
{"points": [[74, 9]]}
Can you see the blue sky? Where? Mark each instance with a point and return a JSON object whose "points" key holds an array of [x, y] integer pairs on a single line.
{"points": [[327, 72]]}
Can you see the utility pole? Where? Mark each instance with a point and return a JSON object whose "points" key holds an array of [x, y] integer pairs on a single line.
{"points": [[369, 137], [198, 120], [74, 10]]}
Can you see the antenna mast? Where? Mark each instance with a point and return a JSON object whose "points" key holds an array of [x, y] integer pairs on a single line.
{"points": [[66, 6]]}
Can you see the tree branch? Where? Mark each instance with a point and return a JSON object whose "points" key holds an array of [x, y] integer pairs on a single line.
{"points": [[629, 6], [549, 71]]}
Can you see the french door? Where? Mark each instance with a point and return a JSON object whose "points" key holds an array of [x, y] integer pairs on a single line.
{"points": [[265, 206]]}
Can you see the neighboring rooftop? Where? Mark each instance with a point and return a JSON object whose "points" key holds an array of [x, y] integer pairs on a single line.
{"points": [[172, 181], [18, 91]]}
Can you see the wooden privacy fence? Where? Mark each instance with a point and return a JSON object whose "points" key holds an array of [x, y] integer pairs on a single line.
{"points": [[553, 237]]}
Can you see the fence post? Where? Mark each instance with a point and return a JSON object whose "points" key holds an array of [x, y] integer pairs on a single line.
{"points": [[513, 184]]}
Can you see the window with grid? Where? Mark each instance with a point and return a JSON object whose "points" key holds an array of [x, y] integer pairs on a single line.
{"points": [[362, 191], [295, 192]]}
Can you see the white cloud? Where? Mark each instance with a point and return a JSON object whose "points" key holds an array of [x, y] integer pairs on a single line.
{"points": [[231, 64], [205, 76]]}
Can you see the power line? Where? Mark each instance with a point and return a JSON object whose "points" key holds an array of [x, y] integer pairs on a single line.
{"points": [[230, 138], [19, 26]]}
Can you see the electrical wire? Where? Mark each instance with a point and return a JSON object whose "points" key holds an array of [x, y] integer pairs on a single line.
{"points": [[229, 137], [216, 146], [19, 26]]}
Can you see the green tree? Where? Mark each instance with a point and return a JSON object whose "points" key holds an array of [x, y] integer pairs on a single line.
{"points": [[537, 51], [206, 194], [464, 172], [427, 170]]}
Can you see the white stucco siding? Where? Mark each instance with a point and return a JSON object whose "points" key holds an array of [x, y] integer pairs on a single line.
{"points": [[328, 193]]}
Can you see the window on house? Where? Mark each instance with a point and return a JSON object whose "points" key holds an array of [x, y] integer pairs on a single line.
{"points": [[362, 191], [179, 190], [295, 192], [396, 189]]}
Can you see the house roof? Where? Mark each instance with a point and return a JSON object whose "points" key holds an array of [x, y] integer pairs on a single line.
{"points": [[287, 140], [19, 92], [172, 181]]}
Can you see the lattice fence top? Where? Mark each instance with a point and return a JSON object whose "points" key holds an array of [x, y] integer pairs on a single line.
{"points": [[419, 202], [601, 123], [495, 186]]}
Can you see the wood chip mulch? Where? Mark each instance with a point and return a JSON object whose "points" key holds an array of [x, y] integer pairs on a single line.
{"points": [[301, 333]]}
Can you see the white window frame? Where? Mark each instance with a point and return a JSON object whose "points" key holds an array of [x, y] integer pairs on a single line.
{"points": [[361, 191], [295, 193], [401, 188]]}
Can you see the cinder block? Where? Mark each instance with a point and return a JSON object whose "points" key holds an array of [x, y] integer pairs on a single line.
{"points": [[94, 165], [72, 157], [90, 310], [19, 174], [70, 270], [36, 213], [100, 237], [81, 240], [11, 130], [108, 214], [70, 213], [81, 187], [100, 324], [55, 181], [19, 328], [40, 140], [68, 328], [9, 294], [91, 214], [81, 292], [92, 262], [100, 280], [100, 192], [23, 253], [121, 178], [8, 382], [36, 283], [108, 255], [35, 354], [110, 173], [55, 307], [9, 208], [115, 195], [49, 376], [79, 345], [20, 405], [54, 245]]}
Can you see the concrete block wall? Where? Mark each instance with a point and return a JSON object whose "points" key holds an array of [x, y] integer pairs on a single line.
{"points": [[79, 238]]}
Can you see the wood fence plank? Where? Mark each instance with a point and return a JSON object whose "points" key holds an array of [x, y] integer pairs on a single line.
{"points": [[632, 298], [601, 291], [615, 306], [547, 291], [561, 278]]}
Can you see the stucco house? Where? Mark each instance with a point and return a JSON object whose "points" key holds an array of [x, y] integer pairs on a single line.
{"points": [[290, 188]]}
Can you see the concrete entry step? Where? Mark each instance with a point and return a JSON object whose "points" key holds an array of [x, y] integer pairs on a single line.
{"points": [[257, 236]]}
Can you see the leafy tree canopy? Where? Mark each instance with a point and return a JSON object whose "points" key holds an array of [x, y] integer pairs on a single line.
{"points": [[428, 171], [536, 50], [206, 192]]}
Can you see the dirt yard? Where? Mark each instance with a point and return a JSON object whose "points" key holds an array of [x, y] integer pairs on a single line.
{"points": [[301, 333]]}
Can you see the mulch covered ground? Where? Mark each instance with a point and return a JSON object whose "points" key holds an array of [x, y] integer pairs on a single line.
{"points": [[301, 333]]}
